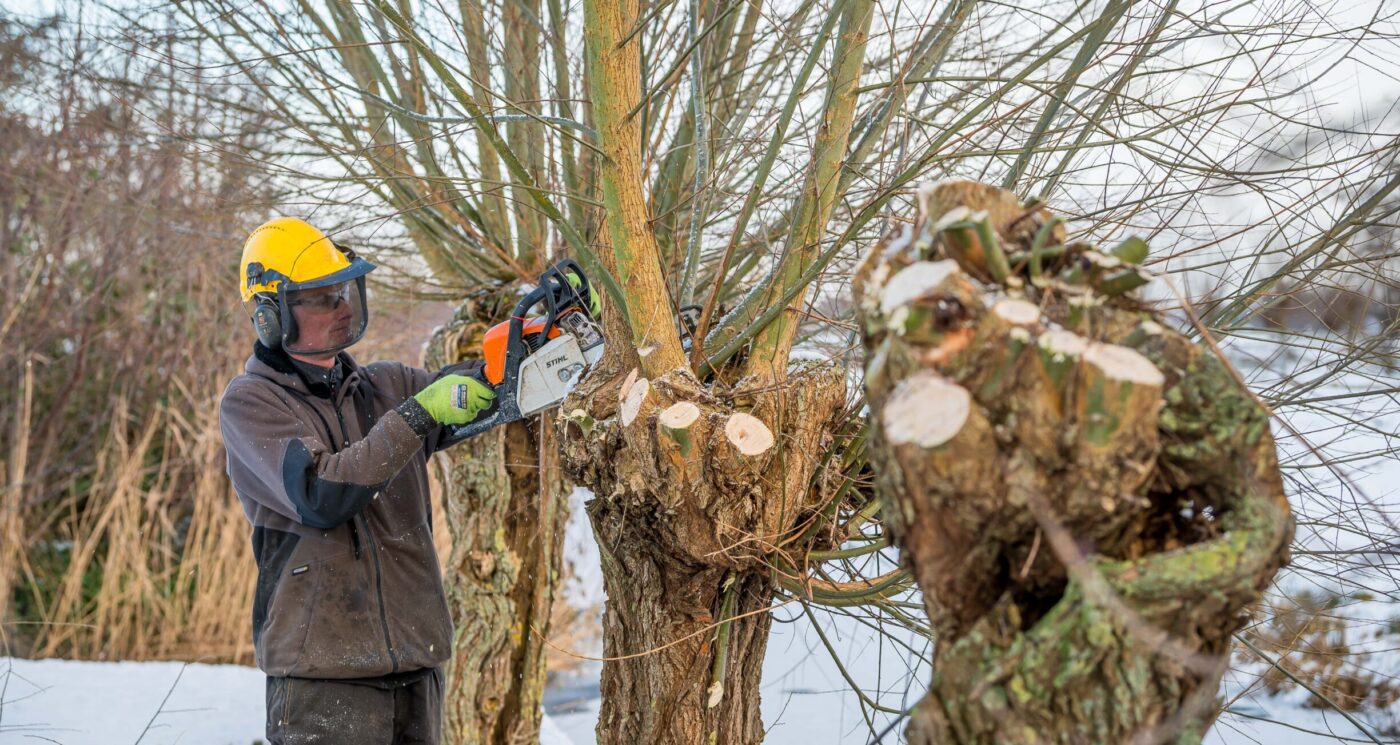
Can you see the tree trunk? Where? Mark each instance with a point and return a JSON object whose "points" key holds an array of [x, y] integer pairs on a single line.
{"points": [[695, 486], [506, 508], [1087, 500], [693, 492]]}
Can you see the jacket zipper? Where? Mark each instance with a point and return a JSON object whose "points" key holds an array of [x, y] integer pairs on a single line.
{"points": [[379, 590], [345, 443], [373, 550]]}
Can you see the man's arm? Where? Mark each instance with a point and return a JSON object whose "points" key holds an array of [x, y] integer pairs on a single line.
{"points": [[276, 458]]}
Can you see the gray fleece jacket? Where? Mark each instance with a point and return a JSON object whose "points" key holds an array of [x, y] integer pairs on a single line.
{"points": [[334, 482]]}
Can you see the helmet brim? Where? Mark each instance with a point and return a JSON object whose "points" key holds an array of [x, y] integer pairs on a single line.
{"points": [[358, 268]]}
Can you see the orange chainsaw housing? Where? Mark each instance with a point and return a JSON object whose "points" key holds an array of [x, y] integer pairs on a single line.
{"points": [[494, 345]]}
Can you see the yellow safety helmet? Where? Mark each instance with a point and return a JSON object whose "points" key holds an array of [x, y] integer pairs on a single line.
{"points": [[286, 249], [286, 258]]}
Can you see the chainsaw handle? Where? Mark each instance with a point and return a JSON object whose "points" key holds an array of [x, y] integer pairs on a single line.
{"points": [[458, 432], [556, 278], [555, 282]]}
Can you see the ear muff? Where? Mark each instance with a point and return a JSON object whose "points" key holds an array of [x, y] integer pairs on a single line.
{"points": [[267, 322]]}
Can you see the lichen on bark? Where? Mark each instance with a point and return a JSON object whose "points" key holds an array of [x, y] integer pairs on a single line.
{"points": [[1098, 499]]}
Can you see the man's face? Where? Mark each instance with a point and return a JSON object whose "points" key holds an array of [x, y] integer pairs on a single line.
{"points": [[327, 318]]}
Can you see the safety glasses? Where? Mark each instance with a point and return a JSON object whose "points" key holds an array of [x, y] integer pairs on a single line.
{"points": [[321, 300]]}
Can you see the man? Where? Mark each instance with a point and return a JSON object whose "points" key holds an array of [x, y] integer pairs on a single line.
{"points": [[329, 460]]}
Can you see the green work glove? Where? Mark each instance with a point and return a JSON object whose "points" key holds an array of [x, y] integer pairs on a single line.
{"points": [[595, 302], [455, 399]]}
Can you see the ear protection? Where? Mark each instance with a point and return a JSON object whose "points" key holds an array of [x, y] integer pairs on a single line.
{"points": [[267, 321]]}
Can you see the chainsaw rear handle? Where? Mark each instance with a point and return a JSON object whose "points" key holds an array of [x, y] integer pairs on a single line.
{"points": [[552, 282]]}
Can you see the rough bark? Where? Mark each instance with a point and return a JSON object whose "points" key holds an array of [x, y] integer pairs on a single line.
{"points": [[1087, 500], [506, 507], [695, 487]]}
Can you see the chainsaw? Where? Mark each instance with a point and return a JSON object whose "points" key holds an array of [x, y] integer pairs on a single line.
{"points": [[533, 363]]}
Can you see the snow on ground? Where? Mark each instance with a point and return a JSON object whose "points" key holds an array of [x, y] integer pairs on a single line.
{"points": [[804, 697], [1278, 719], [103, 703], [139, 703], [1353, 505]]}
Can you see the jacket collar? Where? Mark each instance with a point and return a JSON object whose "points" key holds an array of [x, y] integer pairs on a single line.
{"points": [[275, 365]]}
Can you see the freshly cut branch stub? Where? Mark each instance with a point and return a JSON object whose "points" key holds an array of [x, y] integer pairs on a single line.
{"points": [[963, 242], [632, 402], [925, 410], [1017, 312], [680, 415], [1059, 354], [1120, 392], [675, 422], [1121, 363], [915, 281], [950, 217], [748, 434], [1039, 416], [627, 384]]}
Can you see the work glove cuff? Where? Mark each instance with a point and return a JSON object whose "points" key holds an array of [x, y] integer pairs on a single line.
{"points": [[417, 417]]}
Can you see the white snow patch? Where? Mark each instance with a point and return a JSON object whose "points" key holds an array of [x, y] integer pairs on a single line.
{"points": [[154, 703], [584, 586]]}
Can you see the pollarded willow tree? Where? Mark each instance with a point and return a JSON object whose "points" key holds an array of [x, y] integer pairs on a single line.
{"points": [[1028, 412], [719, 167], [700, 479]]}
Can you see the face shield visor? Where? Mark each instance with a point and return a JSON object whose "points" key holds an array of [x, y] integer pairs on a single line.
{"points": [[325, 315]]}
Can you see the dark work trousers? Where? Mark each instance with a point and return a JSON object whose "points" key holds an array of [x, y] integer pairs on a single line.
{"points": [[302, 711]]}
